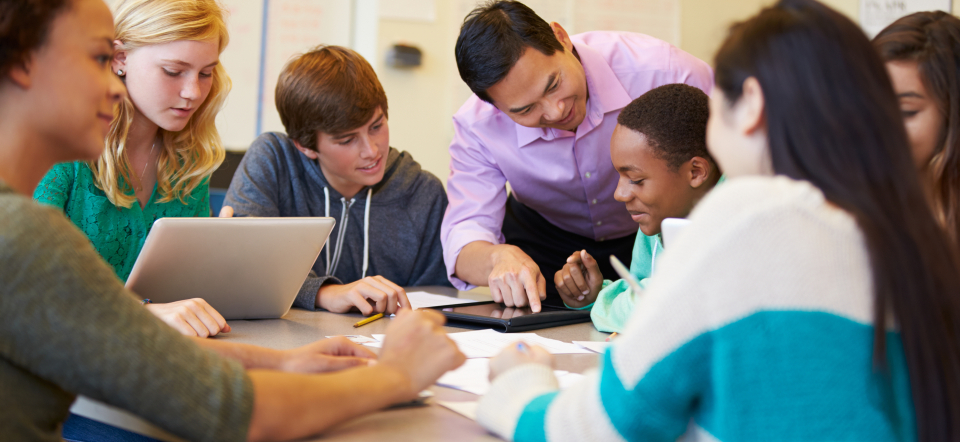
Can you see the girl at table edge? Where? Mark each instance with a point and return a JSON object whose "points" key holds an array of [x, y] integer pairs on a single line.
{"points": [[57, 91], [833, 313], [163, 144], [921, 55]]}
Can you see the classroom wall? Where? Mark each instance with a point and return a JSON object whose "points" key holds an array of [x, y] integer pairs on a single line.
{"points": [[422, 100], [704, 23]]}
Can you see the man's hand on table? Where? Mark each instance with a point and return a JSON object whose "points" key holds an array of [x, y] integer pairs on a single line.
{"points": [[516, 280]]}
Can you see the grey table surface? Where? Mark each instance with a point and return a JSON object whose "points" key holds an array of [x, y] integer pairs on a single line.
{"points": [[430, 422]]}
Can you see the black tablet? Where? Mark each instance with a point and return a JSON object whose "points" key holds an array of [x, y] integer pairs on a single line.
{"points": [[511, 319]]}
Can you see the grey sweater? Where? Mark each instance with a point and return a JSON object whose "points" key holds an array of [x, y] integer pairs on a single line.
{"points": [[68, 327], [406, 208]]}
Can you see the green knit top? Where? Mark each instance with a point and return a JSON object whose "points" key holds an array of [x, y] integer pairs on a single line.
{"points": [[117, 233]]}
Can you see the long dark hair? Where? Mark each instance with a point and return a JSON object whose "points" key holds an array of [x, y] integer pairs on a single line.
{"points": [[932, 39], [833, 120]]}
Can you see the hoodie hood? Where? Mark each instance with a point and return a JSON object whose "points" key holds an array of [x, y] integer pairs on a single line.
{"points": [[400, 176]]}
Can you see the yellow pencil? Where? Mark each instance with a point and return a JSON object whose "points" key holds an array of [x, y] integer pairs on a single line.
{"points": [[368, 320]]}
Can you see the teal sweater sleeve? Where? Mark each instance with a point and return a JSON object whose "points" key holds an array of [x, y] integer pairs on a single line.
{"points": [[615, 302], [54, 188]]}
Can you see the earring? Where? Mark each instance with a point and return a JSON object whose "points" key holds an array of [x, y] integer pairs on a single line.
{"points": [[120, 72]]}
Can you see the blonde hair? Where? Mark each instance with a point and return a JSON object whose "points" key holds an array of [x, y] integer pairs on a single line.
{"points": [[191, 155]]}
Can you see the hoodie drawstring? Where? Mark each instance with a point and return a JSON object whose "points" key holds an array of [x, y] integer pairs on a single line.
{"points": [[326, 213], [342, 232], [366, 233]]}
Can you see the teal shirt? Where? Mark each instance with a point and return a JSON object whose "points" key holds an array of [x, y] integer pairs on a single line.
{"points": [[615, 302], [117, 233]]}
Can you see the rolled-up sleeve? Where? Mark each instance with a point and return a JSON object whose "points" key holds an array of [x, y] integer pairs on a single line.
{"points": [[476, 189]]}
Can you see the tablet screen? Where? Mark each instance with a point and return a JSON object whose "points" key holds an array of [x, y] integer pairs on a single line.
{"points": [[494, 310]]}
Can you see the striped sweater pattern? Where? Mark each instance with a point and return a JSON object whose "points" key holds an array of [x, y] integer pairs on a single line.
{"points": [[756, 326]]}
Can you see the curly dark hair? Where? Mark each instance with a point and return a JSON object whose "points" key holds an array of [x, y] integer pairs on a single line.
{"points": [[24, 25], [673, 117]]}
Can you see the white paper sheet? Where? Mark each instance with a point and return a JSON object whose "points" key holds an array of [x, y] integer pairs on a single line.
{"points": [[466, 409], [474, 377], [596, 346], [488, 343], [359, 339], [378, 344]]}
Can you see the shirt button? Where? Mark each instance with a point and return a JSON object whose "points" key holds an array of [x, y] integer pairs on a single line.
{"points": [[602, 238], [594, 201], [588, 174], [599, 223]]}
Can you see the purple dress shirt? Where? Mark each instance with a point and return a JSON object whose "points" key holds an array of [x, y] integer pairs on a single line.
{"points": [[567, 177]]}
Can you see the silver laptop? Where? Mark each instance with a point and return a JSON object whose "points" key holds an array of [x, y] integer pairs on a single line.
{"points": [[244, 267]]}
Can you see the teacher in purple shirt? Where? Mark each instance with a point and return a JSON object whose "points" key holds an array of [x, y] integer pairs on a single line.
{"points": [[544, 108]]}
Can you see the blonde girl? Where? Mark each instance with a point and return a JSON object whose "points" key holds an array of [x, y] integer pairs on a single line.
{"points": [[162, 145]]}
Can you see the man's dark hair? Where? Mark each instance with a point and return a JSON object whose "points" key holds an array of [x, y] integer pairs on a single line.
{"points": [[24, 25], [492, 39], [673, 117]]}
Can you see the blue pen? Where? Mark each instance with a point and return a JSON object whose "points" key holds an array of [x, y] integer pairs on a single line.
{"points": [[522, 347]]}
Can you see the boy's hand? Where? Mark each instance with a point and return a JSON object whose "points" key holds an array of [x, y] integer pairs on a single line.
{"points": [[373, 294], [580, 280]]}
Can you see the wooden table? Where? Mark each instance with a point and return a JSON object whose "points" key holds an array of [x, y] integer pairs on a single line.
{"points": [[422, 423]]}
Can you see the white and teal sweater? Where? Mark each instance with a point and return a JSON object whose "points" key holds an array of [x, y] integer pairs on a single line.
{"points": [[757, 326]]}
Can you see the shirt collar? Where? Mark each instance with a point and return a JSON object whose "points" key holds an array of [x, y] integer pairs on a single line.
{"points": [[606, 95]]}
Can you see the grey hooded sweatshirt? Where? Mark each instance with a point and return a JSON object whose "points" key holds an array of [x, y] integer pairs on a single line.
{"points": [[401, 242]]}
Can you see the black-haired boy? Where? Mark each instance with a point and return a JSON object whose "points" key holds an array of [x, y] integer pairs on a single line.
{"points": [[659, 150]]}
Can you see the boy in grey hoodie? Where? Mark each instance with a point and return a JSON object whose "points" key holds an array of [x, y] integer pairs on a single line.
{"points": [[337, 162]]}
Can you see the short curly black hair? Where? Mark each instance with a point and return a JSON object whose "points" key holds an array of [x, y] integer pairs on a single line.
{"points": [[673, 117]]}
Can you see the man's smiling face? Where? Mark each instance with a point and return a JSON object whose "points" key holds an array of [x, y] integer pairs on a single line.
{"points": [[544, 90]]}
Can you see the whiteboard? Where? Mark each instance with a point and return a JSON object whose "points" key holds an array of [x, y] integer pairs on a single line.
{"points": [[878, 14], [264, 35]]}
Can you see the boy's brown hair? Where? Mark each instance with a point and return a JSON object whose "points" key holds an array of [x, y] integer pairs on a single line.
{"points": [[329, 89]]}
